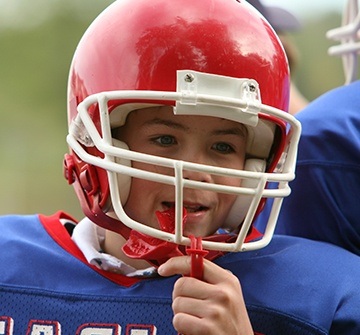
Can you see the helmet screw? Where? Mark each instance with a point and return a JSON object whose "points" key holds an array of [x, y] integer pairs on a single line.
{"points": [[252, 88], [189, 78]]}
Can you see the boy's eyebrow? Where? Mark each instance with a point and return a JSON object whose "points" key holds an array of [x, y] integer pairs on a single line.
{"points": [[169, 123], [239, 131]]}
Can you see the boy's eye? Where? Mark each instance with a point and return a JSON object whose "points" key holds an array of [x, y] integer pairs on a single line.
{"points": [[223, 147], [165, 140]]}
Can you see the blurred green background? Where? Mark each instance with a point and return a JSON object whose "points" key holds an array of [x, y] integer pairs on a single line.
{"points": [[37, 41]]}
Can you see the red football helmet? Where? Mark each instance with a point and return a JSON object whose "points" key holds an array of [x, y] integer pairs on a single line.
{"points": [[207, 57]]}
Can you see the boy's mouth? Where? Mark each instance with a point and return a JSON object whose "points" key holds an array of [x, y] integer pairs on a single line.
{"points": [[190, 208]]}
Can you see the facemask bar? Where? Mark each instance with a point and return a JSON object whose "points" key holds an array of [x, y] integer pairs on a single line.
{"points": [[239, 107], [348, 35]]}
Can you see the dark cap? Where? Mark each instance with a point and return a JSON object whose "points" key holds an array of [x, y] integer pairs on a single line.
{"points": [[280, 18]]}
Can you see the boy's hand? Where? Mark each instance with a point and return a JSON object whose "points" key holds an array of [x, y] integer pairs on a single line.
{"points": [[213, 306]]}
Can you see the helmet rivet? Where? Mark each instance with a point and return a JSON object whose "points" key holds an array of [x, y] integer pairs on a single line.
{"points": [[189, 78], [252, 88]]}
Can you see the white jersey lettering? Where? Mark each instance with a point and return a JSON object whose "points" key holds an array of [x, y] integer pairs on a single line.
{"points": [[6, 325], [140, 330], [45, 327], [99, 329], [41, 327]]}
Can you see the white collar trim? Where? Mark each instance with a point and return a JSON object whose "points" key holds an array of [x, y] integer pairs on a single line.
{"points": [[88, 237]]}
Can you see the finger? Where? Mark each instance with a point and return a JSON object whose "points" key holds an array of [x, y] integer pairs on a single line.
{"points": [[214, 274], [182, 266], [175, 266], [195, 307], [192, 287], [190, 325]]}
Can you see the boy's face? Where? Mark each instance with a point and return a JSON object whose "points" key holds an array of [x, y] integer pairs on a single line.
{"points": [[198, 139]]}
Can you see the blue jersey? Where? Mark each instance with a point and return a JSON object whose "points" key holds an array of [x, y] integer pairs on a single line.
{"points": [[324, 204], [293, 286]]}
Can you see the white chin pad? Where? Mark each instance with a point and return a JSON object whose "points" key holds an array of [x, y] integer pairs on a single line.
{"points": [[241, 205], [124, 181]]}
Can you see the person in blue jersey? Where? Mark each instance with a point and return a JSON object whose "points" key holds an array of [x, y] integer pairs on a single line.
{"points": [[177, 124], [324, 204]]}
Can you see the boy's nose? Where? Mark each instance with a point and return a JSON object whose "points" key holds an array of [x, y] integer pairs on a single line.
{"points": [[202, 176], [197, 176]]}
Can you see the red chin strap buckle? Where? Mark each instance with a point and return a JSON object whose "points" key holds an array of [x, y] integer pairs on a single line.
{"points": [[197, 254]]}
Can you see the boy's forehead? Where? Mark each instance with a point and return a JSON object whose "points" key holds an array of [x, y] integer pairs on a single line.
{"points": [[164, 115]]}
